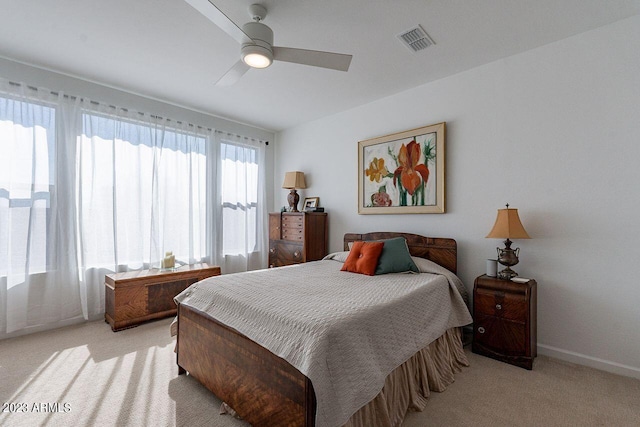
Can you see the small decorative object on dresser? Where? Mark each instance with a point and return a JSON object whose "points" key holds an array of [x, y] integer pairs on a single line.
{"points": [[297, 237], [310, 203], [169, 260], [492, 267], [137, 296], [504, 316]]}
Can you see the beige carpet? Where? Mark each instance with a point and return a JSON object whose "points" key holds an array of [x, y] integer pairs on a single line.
{"points": [[87, 375]]}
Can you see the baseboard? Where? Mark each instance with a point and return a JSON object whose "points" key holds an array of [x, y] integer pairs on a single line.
{"points": [[47, 327], [592, 362]]}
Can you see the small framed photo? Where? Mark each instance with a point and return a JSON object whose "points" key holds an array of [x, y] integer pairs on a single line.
{"points": [[310, 203]]}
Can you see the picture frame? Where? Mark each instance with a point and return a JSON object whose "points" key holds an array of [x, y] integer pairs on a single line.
{"points": [[403, 173], [310, 202]]}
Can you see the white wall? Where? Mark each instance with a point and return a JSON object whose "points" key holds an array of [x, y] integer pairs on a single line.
{"points": [[555, 132]]}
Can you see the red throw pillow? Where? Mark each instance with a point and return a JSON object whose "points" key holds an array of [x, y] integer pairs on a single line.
{"points": [[363, 258]]}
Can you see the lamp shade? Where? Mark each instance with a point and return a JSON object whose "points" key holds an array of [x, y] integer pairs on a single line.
{"points": [[294, 180], [508, 226]]}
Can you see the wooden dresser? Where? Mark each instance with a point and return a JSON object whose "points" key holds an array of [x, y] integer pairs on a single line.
{"points": [[504, 320], [296, 237], [137, 296]]}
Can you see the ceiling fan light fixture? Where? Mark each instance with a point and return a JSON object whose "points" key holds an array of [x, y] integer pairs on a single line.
{"points": [[256, 56], [257, 49]]}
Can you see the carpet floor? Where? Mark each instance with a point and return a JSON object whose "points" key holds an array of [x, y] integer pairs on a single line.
{"points": [[86, 375]]}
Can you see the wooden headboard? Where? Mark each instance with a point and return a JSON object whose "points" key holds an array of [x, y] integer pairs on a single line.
{"points": [[439, 250]]}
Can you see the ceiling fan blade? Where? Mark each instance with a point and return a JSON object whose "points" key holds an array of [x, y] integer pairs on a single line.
{"points": [[215, 15], [316, 58], [233, 75]]}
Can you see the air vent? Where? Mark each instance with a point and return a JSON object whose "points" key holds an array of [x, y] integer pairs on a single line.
{"points": [[416, 39]]}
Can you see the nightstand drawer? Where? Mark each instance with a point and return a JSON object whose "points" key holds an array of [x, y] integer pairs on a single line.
{"points": [[499, 335], [501, 304]]}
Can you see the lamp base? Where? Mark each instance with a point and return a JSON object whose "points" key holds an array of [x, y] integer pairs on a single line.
{"points": [[507, 257], [293, 198], [507, 274]]}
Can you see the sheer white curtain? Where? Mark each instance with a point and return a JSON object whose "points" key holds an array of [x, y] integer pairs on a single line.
{"points": [[145, 185], [39, 282], [242, 223], [88, 189]]}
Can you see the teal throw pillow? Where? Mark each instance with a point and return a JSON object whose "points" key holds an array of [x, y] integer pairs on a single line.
{"points": [[395, 257]]}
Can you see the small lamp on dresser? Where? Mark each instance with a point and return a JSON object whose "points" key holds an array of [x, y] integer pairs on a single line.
{"points": [[508, 226], [292, 181]]}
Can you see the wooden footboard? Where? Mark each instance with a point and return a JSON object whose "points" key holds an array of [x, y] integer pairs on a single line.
{"points": [[264, 389]]}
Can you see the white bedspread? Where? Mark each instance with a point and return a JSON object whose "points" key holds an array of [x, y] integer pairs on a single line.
{"points": [[344, 331]]}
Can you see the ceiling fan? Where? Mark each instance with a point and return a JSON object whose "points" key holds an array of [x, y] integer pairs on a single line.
{"points": [[257, 49]]}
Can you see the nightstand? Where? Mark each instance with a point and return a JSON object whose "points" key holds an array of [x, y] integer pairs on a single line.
{"points": [[504, 316]]}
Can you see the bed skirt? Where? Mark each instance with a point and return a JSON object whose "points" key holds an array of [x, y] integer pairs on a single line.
{"points": [[407, 388]]}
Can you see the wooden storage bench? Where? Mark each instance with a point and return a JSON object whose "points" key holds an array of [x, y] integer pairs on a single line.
{"points": [[137, 296]]}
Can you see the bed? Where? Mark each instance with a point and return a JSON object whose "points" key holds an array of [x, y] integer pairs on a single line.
{"points": [[266, 389]]}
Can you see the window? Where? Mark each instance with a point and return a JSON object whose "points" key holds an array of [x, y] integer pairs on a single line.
{"points": [[239, 199], [142, 191], [27, 186], [88, 189]]}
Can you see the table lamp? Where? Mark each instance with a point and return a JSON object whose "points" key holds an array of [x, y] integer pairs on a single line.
{"points": [[508, 226], [293, 180]]}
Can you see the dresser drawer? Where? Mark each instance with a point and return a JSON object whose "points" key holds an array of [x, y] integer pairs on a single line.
{"points": [[293, 234], [292, 221], [500, 335], [293, 228], [284, 253], [501, 304]]}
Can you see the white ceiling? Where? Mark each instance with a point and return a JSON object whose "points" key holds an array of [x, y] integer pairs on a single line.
{"points": [[166, 50]]}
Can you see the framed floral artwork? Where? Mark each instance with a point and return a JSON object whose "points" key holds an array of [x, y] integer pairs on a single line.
{"points": [[402, 173]]}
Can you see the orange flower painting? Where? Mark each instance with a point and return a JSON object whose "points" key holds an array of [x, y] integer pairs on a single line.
{"points": [[400, 172], [412, 173], [410, 176]]}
